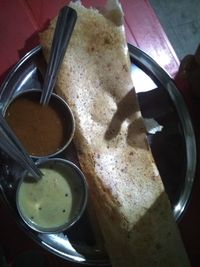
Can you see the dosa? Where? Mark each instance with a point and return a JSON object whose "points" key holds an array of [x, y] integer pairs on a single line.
{"points": [[129, 199]]}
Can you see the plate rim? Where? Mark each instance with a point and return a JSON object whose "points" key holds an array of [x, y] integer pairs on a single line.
{"points": [[161, 76]]}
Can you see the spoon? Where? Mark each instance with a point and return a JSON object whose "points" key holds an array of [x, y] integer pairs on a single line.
{"points": [[64, 28], [11, 146]]}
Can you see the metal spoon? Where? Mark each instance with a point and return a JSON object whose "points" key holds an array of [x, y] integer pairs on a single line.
{"points": [[64, 28], [11, 146]]}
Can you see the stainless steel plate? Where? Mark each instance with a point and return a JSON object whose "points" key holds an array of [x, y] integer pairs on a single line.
{"points": [[173, 147]]}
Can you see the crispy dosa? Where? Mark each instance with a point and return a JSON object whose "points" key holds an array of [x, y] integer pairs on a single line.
{"points": [[127, 192]]}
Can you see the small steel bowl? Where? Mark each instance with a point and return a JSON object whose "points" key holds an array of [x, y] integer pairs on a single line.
{"points": [[55, 202], [63, 109]]}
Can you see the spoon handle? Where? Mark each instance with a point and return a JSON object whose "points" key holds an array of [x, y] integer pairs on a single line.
{"points": [[64, 28], [11, 145]]}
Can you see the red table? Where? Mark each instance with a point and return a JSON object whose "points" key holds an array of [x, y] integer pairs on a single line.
{"points": [[20, 21]]}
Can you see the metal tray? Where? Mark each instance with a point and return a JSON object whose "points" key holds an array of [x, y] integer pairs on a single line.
{"points": [[173, 147]]}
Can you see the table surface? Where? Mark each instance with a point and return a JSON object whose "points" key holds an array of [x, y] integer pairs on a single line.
{"points": [[20, 21]]}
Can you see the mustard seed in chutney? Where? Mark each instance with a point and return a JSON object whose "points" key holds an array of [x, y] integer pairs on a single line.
{"points": [[43, 130]]}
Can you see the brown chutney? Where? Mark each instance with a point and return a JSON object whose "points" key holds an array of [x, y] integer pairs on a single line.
{"points": [[42, 130]]}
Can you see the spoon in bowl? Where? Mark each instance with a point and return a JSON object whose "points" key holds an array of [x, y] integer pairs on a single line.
{"points": [[11, 146], [64, 28]]}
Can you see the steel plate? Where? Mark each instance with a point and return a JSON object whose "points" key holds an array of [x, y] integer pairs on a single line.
{"points": [[173, 147]]}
